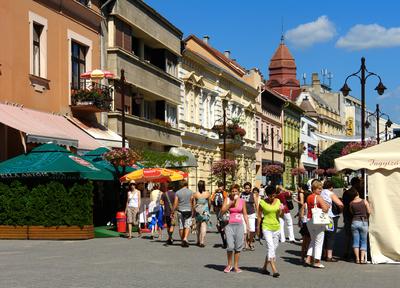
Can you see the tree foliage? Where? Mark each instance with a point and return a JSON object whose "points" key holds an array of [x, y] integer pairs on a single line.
{"points": [[327, 157], [161, 159]]}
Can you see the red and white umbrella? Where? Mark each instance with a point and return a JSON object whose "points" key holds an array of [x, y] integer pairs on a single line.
{"points": [[97, 74]]}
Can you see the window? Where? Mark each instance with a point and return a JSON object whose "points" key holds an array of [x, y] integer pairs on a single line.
{"points": [[78, 63], [257, 131], [123, 35], [147, 110], [37, 31], [38, 45], [171, 115]]}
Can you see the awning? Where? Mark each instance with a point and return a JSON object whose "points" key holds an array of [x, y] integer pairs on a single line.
{"points": [[189, 162], [102, 134], [42, 127]]}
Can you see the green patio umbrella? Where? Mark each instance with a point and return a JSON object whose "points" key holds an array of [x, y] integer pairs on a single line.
{"points": [[49, 160], [96, 157]]}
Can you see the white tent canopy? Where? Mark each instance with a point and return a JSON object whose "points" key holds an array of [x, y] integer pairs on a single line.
{"points": [[383, 168]]}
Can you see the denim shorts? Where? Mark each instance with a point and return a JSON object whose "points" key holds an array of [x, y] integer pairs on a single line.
{"points": [[359, 230]]}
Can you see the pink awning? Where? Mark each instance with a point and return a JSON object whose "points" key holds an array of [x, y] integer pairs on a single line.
{"points": [[42, 127]]}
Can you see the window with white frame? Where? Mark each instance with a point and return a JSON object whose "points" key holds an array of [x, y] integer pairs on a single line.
{"points": [[38, 45], [257, 131]]}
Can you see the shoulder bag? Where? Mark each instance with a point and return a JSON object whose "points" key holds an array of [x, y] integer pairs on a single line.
{"points": [[318, 216]]}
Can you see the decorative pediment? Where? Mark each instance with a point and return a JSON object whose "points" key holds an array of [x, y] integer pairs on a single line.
{"points": [[193, 79]]}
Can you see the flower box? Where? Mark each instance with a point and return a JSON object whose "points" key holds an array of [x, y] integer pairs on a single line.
{"points": [[13, 232], [230, 144], [272, 169], [96, 97]]}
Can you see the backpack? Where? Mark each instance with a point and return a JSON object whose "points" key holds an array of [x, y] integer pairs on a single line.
{"points": [[218, 199]]}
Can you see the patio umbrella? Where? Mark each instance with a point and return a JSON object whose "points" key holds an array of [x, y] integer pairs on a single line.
{"points": [[154, 175], [96, 157], [49, 160], [97, 74]]}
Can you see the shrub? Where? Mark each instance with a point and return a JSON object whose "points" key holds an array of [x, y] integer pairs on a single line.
{"points": [[50, 204], [337, 181]]}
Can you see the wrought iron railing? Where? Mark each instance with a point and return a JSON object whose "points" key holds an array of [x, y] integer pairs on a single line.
{"points": [[91, 93]]}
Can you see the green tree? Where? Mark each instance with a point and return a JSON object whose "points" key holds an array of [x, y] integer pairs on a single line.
{"points": [[327, 157]]}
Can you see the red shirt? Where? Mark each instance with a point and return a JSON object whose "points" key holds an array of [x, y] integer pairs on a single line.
{"points": [[282, 197], [310, 205]]}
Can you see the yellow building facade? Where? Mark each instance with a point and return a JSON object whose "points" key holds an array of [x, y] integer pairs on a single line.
{"points": [[209, 78]]}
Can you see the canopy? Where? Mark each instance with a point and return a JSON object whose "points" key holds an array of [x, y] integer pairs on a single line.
{"points": [[154, 175], [97, 74], [383, 156], [190, 158], [51, 159], [382, 162]]}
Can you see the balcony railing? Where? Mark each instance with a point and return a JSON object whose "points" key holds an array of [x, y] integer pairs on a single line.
{"points": [[91, 96]]}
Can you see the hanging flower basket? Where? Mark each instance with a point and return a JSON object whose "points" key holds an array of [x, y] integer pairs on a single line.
{"points": [[356, 146], [224, 166], [122, 157], [319, 171], [298, 171], [331, 171], [273, 169], [233, 131]]}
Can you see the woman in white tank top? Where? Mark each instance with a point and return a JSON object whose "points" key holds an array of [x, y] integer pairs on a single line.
{"points": [[132, 208]]}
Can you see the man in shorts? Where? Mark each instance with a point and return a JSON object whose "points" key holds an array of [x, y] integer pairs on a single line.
{"points": [[184, 205], [168, 200]]}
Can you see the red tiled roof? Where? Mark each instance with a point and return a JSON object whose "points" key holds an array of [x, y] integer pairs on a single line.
{"points": [[229, 62], [282, 58]]}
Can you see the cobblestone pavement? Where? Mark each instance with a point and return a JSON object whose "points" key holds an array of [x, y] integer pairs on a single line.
{"points": [[118, 262]]}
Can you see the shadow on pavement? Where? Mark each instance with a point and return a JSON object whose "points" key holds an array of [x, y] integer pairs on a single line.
{"points": [[215, 267], [295, 261], [294, 252]]}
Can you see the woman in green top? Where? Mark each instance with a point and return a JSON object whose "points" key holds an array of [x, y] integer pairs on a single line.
{"points": [[271, 209]]}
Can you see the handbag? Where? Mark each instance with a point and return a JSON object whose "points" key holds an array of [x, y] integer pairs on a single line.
{"points": [[318, 216], [289, 204]]}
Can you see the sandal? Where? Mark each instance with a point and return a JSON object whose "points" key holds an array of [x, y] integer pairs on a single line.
{"points": [[319, 266], [238, 270], [228, 269], [331, 260], [357, 262]]}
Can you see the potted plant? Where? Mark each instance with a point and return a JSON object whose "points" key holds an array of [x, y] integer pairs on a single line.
{"points": [[97, 96], [273, 169], [319, 171], [224, 166], [356, 146], [122, 157], [298, 171]]}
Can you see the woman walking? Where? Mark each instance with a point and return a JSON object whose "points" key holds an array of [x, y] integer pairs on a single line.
{"points": [[283, 195], [360, 210], [132, 208], [316, 230], [271, 210], [234, 230], [303, 193], [202, 212]]}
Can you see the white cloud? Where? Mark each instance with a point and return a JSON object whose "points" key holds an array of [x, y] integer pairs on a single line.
{"points": [[395, 93], [361, 37], [308, 34]]}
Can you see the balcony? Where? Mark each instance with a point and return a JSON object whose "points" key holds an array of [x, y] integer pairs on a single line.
{"points": [[145, 130], [144, 75], [91, 97]]}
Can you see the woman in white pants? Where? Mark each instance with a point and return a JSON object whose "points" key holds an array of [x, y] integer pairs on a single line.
{"points": [[283, 195], [316, 230], [271, 209]]}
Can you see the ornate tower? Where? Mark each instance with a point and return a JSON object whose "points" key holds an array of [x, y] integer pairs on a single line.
{"points": [[282, 73]]}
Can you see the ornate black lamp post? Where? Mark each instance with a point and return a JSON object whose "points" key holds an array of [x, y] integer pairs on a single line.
{"points": [[378, 114], [123, 106], [363, 75]]}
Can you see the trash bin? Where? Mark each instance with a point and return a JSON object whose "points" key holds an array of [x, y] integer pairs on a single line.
{"points": [[121, 222]]}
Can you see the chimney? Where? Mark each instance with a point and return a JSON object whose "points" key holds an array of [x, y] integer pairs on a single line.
{"points": [[315, 83], [206, 39], [227, 54]]}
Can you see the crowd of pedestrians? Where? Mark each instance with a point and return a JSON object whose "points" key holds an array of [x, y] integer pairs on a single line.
{"points": [[245, 213]]}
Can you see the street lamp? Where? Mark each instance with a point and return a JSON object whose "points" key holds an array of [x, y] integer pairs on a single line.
{"points": [[378, 114], [123, 106], [363, 78]]}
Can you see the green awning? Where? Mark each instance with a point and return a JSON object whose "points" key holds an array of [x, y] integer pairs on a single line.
{"points": [[52, 160]]}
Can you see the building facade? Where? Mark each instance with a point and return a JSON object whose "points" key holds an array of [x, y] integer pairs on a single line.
{"points": [[325, 107], [47, 45], [147, 47], [213, 81], [309, 157]]}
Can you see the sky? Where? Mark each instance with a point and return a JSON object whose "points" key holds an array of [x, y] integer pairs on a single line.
{"points": [[327, 36]]}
